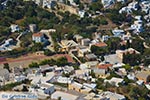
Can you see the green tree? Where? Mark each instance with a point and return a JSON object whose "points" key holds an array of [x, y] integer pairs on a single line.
{"points": [[115, 17], [76, 67], [146, 57], [25, 89], [127, 81], [99, 50], [132, 59], [137, 68], [96, 6], [103, 21], [47, 52], [37, 47], [25, 44], [62, 61], [6, 66], [100, 84], [59, 98], [77, 1], [137, 44], [113, 44], [112, 74], [92, 74], [102, 58], [30, 12], [127, 67], [33, 65]]}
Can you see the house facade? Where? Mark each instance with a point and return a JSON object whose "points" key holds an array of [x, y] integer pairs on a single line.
{"points": [[38, 37]]}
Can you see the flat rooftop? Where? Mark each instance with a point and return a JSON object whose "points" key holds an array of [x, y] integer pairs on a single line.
{"points": [[63, 95]]}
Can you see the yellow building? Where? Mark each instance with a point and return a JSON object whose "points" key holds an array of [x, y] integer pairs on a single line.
{"points": [[79, 88]]}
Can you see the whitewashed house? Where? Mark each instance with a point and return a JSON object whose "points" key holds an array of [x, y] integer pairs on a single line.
{"points": [[38, 37], [61, 79], [14, 28]]}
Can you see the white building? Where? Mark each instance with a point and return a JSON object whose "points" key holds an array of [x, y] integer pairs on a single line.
{"points": [[85, 42], [72, 2], [82, 73], [125, 9], [78, 38], [83, 66], [47, 87], [118, 65], [83, 51], [145, 5], [61, 79], [107, 3], [14, 28], [131, 76], [38, 79], [92, 85], [118, 32], [63, 96], [47, 3], [7, 43], [81, 13], [114, 81], [4, 76], [38, 2], [137, 26], [131, 6], [38, 37], [68, 69], [93, 96], [113, 96], [20, 78], [32, 27]]}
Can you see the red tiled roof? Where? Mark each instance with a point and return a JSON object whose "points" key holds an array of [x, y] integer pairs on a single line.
{"points": [[101, 44], [104, 66], [37, 34]]}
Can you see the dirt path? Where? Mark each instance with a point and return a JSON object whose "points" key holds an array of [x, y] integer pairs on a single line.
{"points": [[24, 61]]}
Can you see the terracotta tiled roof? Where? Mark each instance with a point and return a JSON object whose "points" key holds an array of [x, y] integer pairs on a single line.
{"points": [[104, 66], [101, 44], [37, 34]]}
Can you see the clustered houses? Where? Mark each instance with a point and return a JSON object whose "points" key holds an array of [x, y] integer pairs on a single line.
{"points": [[120, 53], [38, 37], [138, 25], [71, 83], [105, 96], [129, 9], [44, 79], [81, 47], [102, 70], [108, 3], [144, 5]]}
